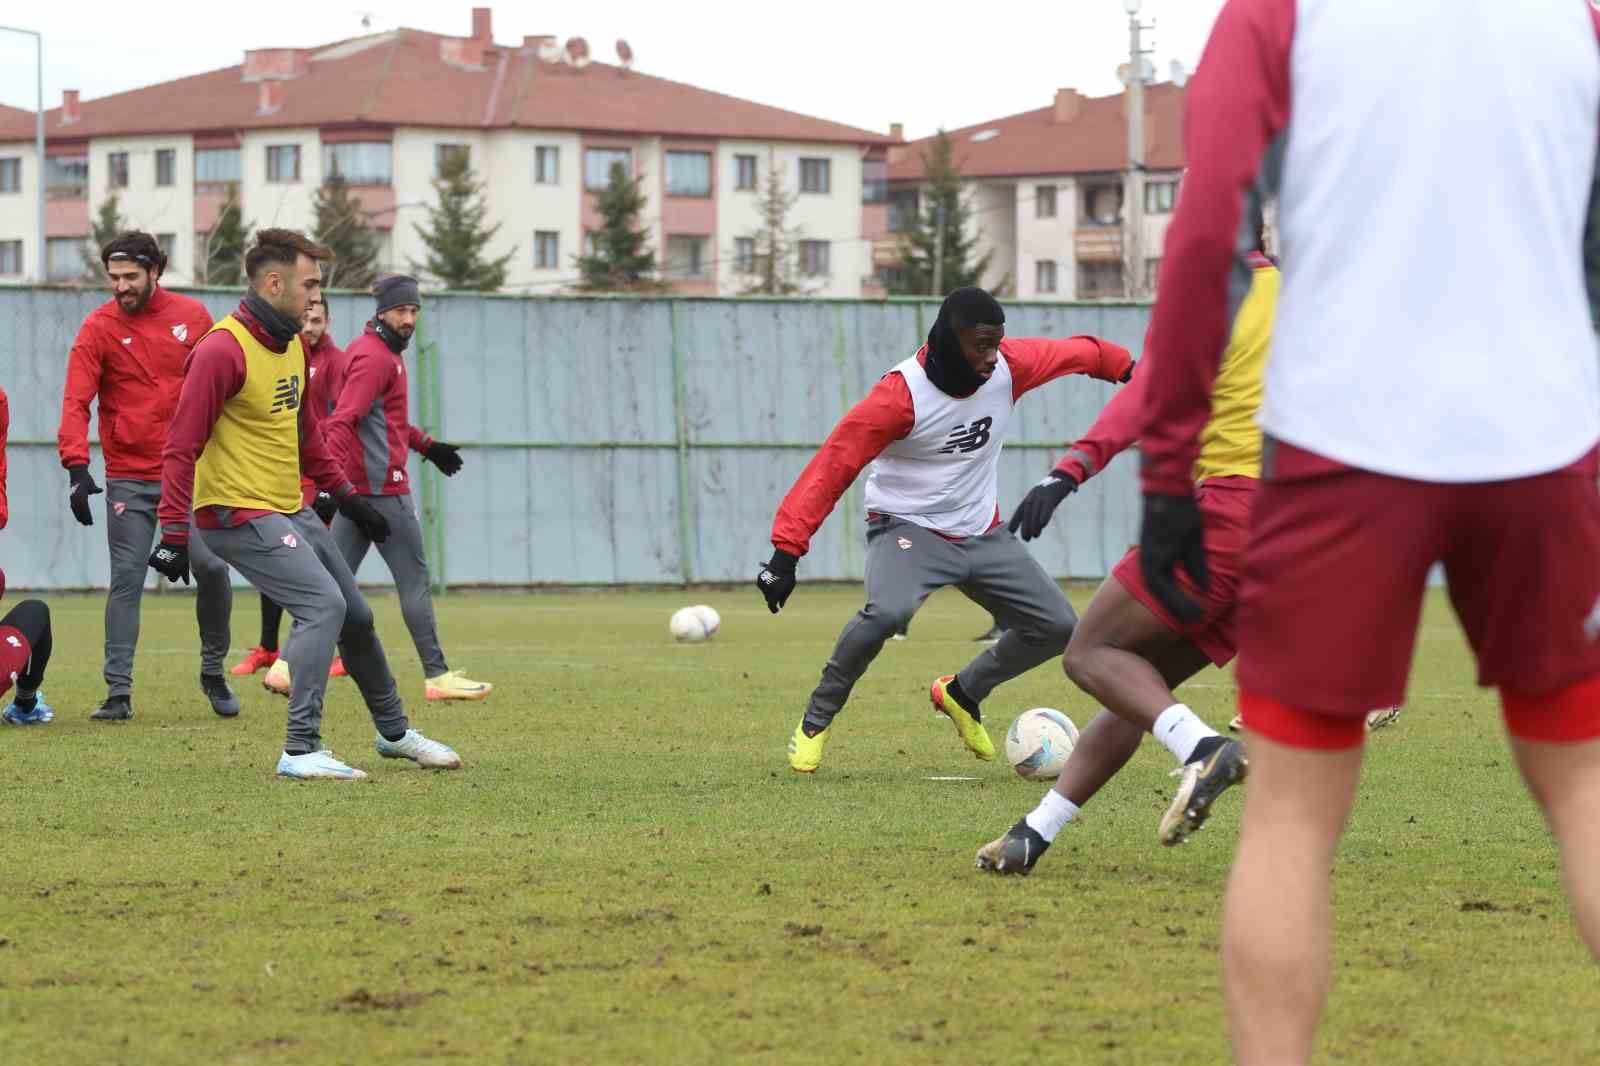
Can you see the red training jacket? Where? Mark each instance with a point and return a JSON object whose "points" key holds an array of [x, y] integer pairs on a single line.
{"points": [[370, 427], [886, 414], [5, 434], [134, 364], [318, 358]]}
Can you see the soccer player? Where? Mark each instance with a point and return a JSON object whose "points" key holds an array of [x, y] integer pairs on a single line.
{"points": [[130, 353], [239, 442], [370, 431], [24, 630], [1433, 396], [932, 427]]}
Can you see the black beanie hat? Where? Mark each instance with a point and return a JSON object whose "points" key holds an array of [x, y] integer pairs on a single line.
{"points": [[396, 290]]}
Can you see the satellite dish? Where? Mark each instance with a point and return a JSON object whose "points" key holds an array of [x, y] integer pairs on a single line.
{"points": [[624, 54], [578, 52], [1180, 76], [550, 52]]}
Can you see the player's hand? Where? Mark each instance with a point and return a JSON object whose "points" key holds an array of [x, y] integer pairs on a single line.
{"points": [[1171, 534], [325, 506], [1034, 512], [776, 580], [447, 457], [366, 517], [171, 561], [83, 487]]}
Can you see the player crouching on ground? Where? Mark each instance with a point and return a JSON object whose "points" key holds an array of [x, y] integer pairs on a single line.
{"points": [[932, 427], [239, 441], [25, 629]]}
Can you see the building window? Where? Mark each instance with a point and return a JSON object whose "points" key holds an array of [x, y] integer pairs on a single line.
{"points": [[64, 258], [903, 208], [283, 163], [816, 175], [686, 257], [814, 256], [117, 170], [1152, 271], [874, 181], [1159, 196], [11, 174], [744, 169], [166, 166], [10, 259], [360, 162], [216, 166], [1044, 276], [445, 154], [1099, 281], [744, 255], [66, 175], [547, 164], [1102, 204], [546, 249], [597, 164], [590, 245], [168, 243], [1044, 202], [688, 173]]}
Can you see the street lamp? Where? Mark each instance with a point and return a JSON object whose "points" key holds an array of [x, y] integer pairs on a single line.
{"points": [[1131, 6], [38, 134]]}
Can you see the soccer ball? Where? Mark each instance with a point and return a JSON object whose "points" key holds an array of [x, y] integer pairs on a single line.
{"points": [[1038, 743], [691, 625]]}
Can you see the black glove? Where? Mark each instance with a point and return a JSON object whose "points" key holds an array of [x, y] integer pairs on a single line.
{"points": [[776, 580], [1171, 534], [366, 517], [1129, 375], [83, 487], [444, 456], [325, 506], [1034, 512], [171, 561]]}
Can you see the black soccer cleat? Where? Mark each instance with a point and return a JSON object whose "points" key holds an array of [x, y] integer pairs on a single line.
{"points": [[222, 698], [114, 709], [1204, 779], [1014, 853]]}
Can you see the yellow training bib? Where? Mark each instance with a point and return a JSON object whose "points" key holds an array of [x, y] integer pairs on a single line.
{"points": [[252, 459]]}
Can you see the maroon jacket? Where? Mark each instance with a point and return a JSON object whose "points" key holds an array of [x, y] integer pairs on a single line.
{"points": [[215, 372], [370, 428]]}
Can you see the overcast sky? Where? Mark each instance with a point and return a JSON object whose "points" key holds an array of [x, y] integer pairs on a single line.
{"points": [[863, 62]]}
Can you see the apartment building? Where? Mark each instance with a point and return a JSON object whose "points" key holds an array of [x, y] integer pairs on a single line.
{"points": [[540, 125], [1047, 192]]}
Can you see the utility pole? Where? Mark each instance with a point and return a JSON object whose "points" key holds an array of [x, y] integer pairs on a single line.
{"points": [[938, 250], [38, 134], [1133, 186]]}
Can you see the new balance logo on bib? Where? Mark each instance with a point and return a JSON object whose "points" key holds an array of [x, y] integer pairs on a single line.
{"points": [[968, 438]]}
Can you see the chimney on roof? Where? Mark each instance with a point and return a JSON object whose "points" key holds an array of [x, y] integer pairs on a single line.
{"points": [[269, 97], [897, 131], [70, 111], [275, 64], [1068, 103], [483, 26]]}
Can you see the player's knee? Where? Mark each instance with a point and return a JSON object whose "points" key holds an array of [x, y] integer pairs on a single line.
{"points": [[887, 619], [1078, 662], [327, 609], [208, 568], [30, 616], [358, 614]]}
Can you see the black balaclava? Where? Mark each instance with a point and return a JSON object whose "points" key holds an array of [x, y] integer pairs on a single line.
{"points": [[946, 367], [395, 341]]}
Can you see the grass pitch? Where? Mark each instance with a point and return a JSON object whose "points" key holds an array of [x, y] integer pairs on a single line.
{"points": [[627, 871]]}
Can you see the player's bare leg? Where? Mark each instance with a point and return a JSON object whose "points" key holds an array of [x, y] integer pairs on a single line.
{"points": [[1565, 780], [1277, 914]]}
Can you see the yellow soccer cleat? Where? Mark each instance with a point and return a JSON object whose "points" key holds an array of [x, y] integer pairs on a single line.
{"points": [[971, 731], [452, 685], [805, 753], [277, 678]]}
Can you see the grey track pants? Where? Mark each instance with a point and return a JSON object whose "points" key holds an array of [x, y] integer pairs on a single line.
{"points": [[403, 554], [293, 560], [905, 565], [130, 535]]}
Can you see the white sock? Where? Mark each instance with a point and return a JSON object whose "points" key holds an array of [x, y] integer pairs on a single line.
{"points": [[1181, 731], [1053, 812]]}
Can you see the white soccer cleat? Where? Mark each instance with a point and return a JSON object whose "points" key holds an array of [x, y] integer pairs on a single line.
{"points": [[1382, 717], [420, 750], [317, 766]]}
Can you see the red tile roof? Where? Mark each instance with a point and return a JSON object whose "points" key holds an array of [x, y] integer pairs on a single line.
{"points": [[399, 79], [1035, 142]]}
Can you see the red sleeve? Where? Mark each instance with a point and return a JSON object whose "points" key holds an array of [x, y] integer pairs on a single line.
{"points": [[214, 372], [5, 434], [1236, 108], [1036, 361], [364, 378], [316, 459], [1112, 433], [83, 385], [882, 417], [417, 439]]}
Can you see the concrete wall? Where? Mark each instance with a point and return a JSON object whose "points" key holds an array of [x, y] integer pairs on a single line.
{"points": [[608, 440]]}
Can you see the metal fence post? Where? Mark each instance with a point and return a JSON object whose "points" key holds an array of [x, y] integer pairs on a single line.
{"points": [[681, 420]]}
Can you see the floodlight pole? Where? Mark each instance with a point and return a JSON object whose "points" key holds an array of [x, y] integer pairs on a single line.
{"points": [[1133, 196], [38, 139]]}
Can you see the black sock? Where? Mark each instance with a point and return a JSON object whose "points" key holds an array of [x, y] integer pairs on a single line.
{"points": [[810, 726], [26, 703], [271, 616], [305, 751], [1205, 748], [397, 738], [967, 703]]}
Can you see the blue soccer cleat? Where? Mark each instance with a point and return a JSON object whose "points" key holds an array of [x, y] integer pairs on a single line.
{"points": [[40, 713]]}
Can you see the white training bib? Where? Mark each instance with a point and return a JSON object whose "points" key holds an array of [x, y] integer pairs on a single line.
{"points": [[944, 474]]}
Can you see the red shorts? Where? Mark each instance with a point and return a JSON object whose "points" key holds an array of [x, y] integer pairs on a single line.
{"points": [[14, 654], [1337, 564], [1225, 514]]}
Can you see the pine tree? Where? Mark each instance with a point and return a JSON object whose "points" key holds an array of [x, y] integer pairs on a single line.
{"points": [[773, 269], [622, 260], [108, 223], [345, 228], [220, 257], [942, 206], [456, 235]]}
